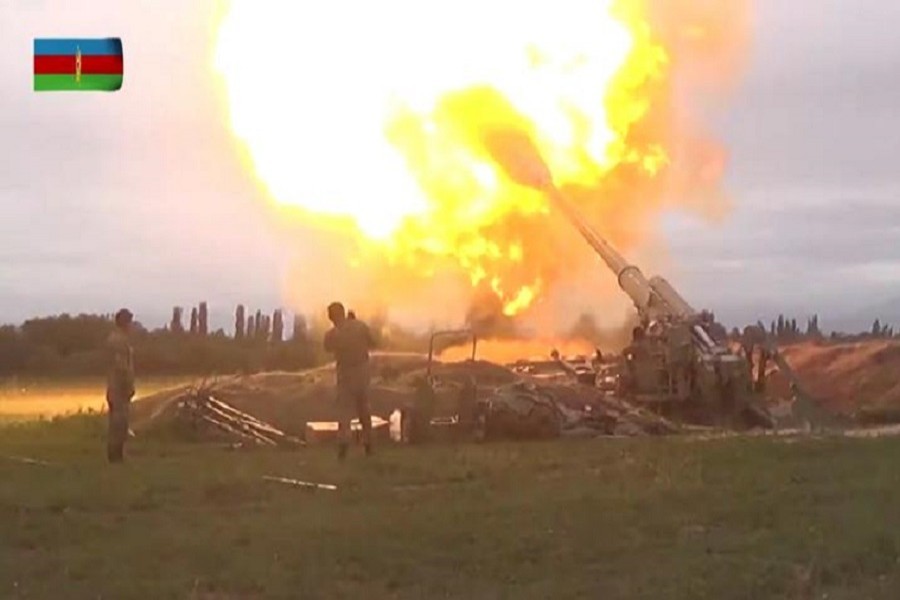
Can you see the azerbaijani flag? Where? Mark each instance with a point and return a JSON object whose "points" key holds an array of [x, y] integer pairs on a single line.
{"points": [[88, 64]]}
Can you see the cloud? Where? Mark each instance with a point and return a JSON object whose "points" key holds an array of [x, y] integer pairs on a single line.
{"points": [[784, 251], [139, 197], [878, 271]]}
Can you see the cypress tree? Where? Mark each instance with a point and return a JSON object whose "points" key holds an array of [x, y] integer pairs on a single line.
{"points": [[239, 322]]}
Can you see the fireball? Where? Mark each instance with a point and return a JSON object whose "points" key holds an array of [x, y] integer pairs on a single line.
{"points": [[373, 116]]}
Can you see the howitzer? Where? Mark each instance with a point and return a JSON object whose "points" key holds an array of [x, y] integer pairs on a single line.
{"points": [[678, 357]]}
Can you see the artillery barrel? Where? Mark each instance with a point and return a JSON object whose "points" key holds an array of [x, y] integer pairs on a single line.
{"points": [[630, 278], [673, 300]]}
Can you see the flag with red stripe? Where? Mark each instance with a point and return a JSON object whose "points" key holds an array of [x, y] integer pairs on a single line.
{"points": [[78, 64]]}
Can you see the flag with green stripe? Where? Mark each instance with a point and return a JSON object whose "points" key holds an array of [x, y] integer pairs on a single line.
{"points": [[77, 64]]}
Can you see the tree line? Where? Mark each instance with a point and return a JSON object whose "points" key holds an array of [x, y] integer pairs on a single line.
{"points": [[74, 345], [787, 329], [67, 345]]}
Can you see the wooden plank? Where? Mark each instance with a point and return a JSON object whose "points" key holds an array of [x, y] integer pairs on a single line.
{"points": [[298, 483]]}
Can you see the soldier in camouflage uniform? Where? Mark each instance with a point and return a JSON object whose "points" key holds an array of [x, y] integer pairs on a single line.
{"points": [[350, 341], [119, 385]]}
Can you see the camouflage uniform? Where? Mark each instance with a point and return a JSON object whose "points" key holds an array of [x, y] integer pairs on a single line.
{"points": [[119, 391], [350, 342]]}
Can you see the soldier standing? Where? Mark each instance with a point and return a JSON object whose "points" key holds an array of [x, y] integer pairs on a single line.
{"points": [[119, 385], [350, 341]]}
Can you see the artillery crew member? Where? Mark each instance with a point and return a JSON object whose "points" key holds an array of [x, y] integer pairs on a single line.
{"points": [[350, 341], [119, 385]]}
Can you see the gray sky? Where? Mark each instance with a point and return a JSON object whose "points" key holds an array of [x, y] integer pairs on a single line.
{"points": [[814, 136], [140, 197]]}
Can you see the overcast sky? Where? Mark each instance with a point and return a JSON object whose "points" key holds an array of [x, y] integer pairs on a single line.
{"points": [[814, 134], [139, 197]]}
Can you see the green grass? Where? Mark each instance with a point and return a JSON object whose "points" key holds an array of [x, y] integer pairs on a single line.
{"points": [[651, 518], [23, 399]]}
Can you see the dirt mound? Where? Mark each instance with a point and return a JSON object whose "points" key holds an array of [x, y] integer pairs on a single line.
{"points": [[846, 377], [289, 400]]}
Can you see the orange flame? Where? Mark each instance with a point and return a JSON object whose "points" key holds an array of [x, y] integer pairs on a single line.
{"points": [[386, 137]]}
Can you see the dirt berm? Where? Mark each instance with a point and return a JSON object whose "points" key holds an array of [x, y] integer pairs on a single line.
{"points": [[289, 400], [846, 377], [843, 378]]}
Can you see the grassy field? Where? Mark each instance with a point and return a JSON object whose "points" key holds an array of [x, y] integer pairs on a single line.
{"points": [[23, 399], [651, 518]]}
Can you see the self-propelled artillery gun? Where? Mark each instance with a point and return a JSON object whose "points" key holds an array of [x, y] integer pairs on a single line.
{"points": [[679, 360]]}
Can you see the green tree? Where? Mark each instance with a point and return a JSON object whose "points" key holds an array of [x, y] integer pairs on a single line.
{"points": [[65, 334], [176, 325], [203, 320], [239, 320], [277, 327]]}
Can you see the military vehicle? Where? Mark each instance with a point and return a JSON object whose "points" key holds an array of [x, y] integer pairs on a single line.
{"points": [[679, 360]]}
